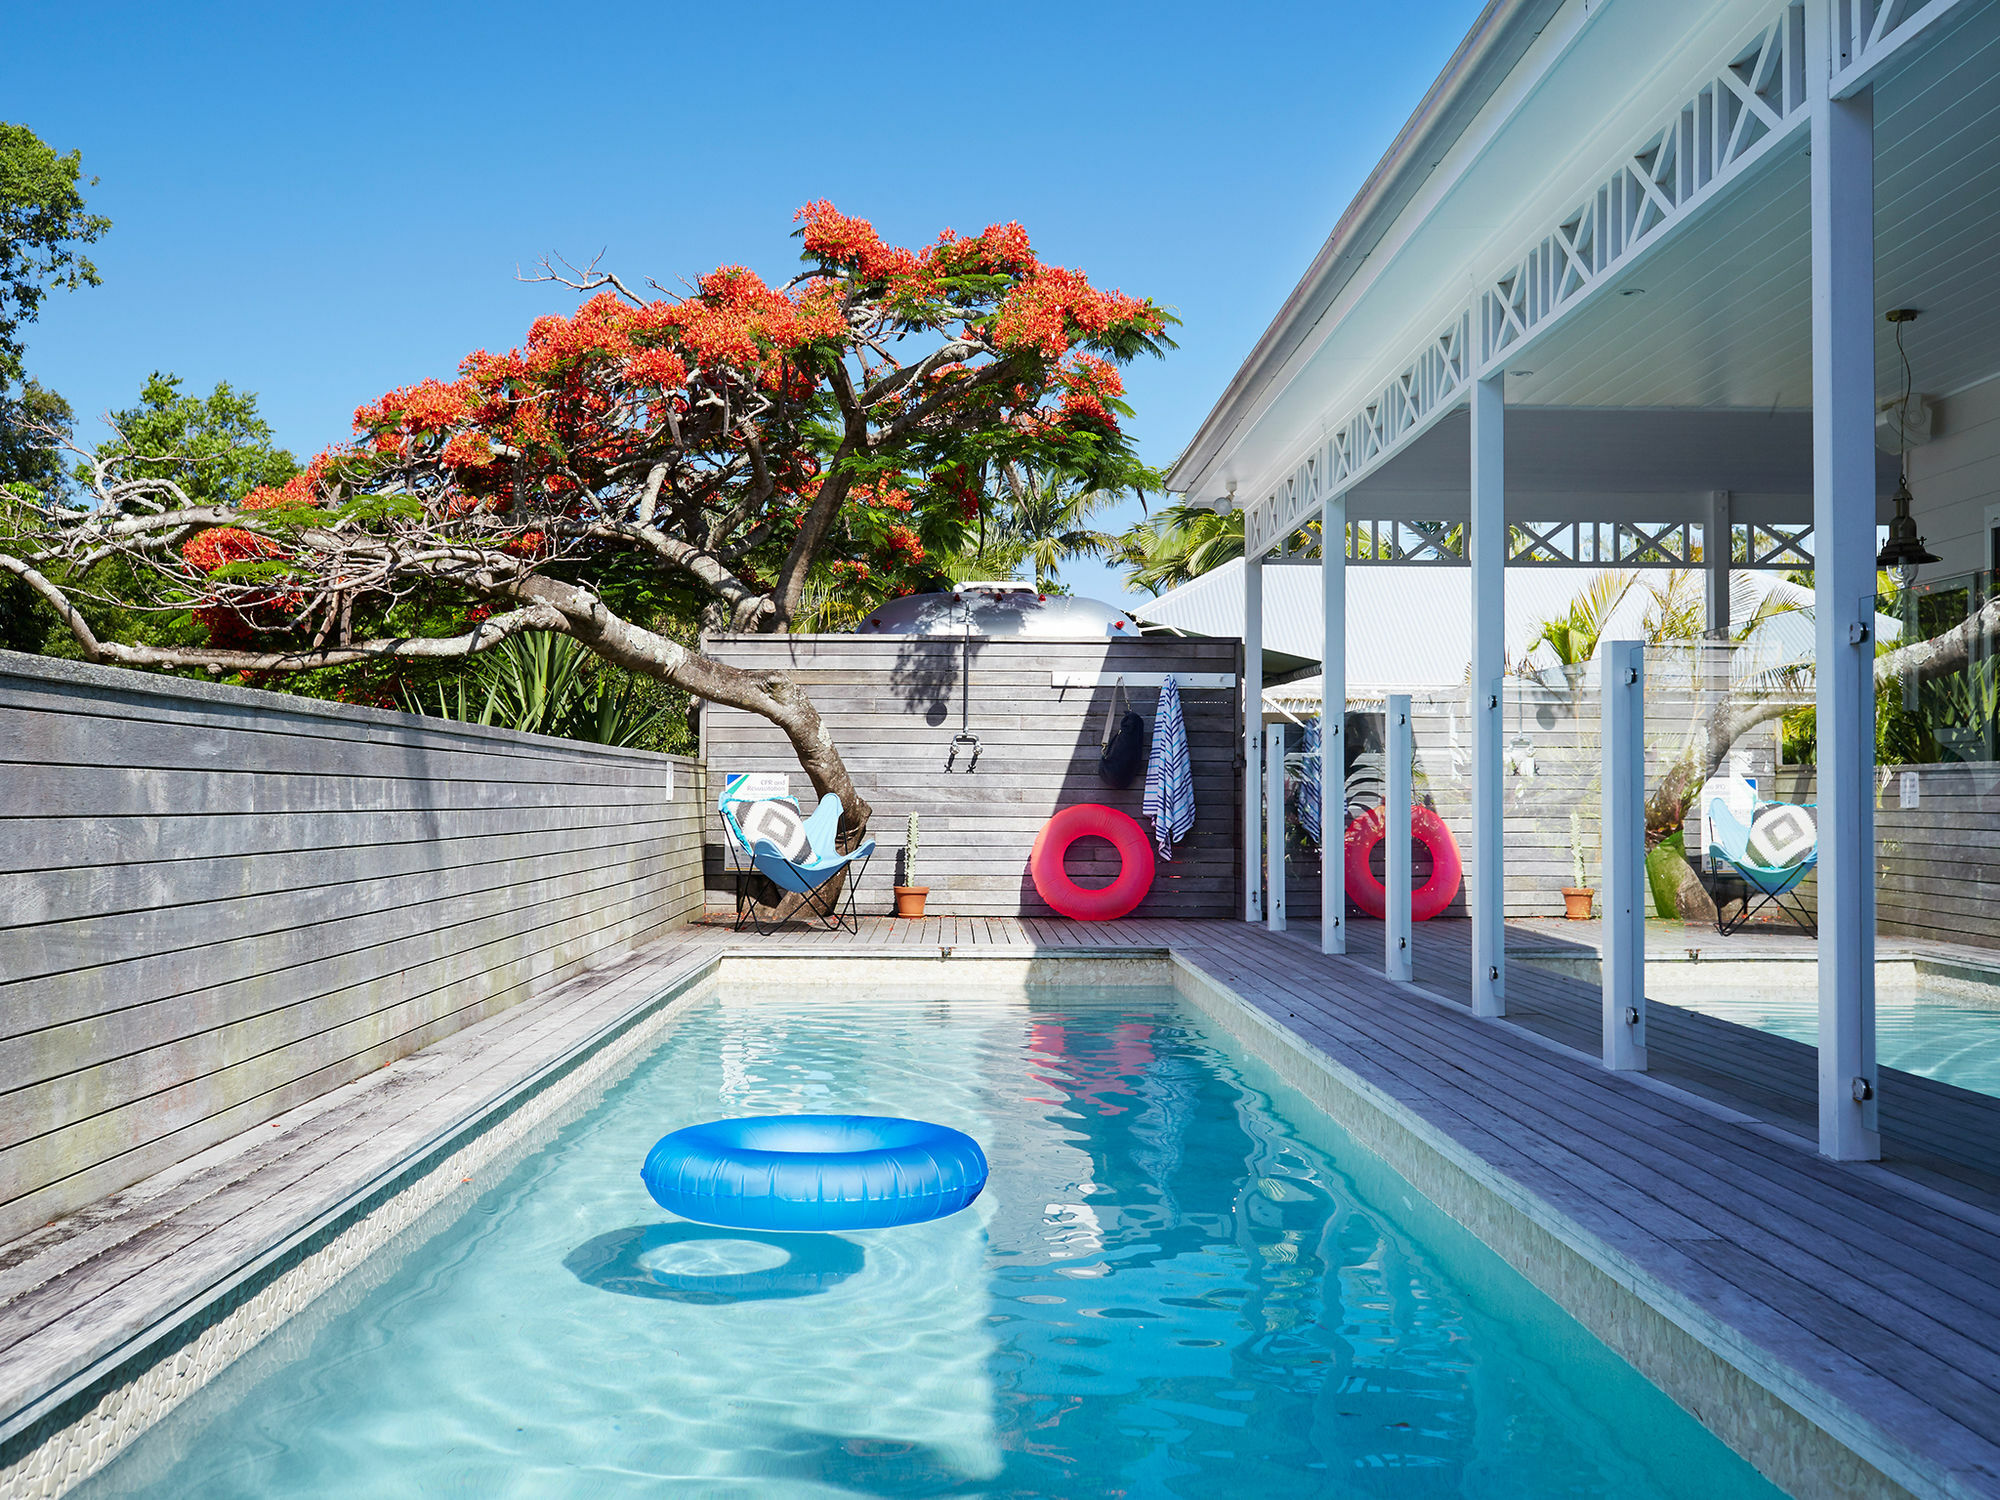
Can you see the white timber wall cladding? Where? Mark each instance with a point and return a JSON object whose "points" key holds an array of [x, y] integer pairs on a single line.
{"points": [[217, 904], [893, 704]]}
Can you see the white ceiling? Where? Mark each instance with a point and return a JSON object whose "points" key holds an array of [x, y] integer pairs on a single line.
{"points": [[1724, 317], [1572, 463]]}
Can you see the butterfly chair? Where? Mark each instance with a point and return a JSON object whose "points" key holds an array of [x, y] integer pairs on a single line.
{"points": [[798, 856], [1771, 854]]}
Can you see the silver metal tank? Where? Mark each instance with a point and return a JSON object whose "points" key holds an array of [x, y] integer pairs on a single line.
{"points": [[1000, 609]]}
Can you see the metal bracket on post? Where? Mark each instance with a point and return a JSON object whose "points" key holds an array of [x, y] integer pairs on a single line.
{"points": [[1396, 841], [1274, 827], [1622, 687]]}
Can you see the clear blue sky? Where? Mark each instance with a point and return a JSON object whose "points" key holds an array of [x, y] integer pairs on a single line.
{"points": [[321, 202]]}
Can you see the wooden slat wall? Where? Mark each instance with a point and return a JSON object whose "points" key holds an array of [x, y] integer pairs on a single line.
{"points": [[893, 705], [216, 904], [1938, 863]]}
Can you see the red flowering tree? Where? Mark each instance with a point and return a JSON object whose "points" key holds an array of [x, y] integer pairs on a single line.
{"points": [[723, 448]]}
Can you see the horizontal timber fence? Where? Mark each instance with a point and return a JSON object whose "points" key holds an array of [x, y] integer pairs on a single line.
{"points": [[1937, 849], [217, 903], [893, 705]]}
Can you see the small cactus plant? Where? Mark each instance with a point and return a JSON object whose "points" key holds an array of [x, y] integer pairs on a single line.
{"points": [[910, 895]]}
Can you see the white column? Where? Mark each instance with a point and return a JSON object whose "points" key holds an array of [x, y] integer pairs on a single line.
{"points": [[1486, 550], [1843, 352], [1333, 726], [1274, 826], [1716, 542], [1396, 839], [1621, 667], [1253, 738]]}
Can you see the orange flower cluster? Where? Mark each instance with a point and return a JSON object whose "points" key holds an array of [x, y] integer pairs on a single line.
{"points": [[841, 240], [209, 550], [1051, 308], [885, 494], [301, 489]]}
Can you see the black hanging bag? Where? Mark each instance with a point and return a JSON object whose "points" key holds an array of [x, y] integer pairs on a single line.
{"points": [[1121, 754]]}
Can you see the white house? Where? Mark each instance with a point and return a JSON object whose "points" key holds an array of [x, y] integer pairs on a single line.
{"points": [[1619, 285]]}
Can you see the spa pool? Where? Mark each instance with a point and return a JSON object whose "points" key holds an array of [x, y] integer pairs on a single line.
{"points": [[1181, 1280]]}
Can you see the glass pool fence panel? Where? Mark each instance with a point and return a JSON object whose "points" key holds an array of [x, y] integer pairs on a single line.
{"points": [[1937, 753]]}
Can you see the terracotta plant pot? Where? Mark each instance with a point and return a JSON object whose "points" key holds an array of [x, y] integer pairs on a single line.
{"points": [[1576, 902], [910, 899]]}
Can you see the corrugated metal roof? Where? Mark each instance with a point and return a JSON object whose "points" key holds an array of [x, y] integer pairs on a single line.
{"points": [[1407, 627], [1410, 628]]}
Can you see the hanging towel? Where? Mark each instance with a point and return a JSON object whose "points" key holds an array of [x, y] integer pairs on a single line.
{"points": [[1308, 804], [1169, 774]]}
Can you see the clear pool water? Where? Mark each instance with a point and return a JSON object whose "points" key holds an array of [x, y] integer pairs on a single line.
{"points": [[1181, 1281], [1932, 1033]]}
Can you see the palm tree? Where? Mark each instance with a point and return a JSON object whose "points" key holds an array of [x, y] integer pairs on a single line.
{"points": [[1178, 543], [1574, 637], [1048, 521]]}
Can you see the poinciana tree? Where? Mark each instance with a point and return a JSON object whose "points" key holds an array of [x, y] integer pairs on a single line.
{"points": [[724, 448]]}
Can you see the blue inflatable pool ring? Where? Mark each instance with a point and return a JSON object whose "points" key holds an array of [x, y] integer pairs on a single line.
{"points": [[814, 1172]]}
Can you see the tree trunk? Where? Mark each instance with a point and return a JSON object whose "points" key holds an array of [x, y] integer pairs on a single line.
{"points": [[770, 695]]}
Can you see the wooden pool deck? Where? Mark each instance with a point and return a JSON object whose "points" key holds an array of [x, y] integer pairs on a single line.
{"points": [[1866, 1295]]}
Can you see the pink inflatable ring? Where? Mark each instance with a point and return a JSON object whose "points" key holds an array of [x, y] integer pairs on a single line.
{"points": [[1107, 903], [1428, 899]]}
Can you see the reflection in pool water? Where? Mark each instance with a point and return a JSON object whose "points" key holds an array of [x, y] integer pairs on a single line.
{"points": [[1181, 1281]]}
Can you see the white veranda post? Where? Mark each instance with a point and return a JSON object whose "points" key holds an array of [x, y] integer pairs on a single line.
{"points": [[1253, 736], [1396, 882], [1333, 726], [1274, 826], [1621, 667], [1843, 354], [1486, 547]]}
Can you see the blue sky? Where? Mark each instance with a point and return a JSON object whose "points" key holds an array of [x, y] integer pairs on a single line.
{"points": [[319, 203]]}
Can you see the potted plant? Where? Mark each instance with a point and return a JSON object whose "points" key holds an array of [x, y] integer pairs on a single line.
{"points": [[910, 896], [1576, 895]]}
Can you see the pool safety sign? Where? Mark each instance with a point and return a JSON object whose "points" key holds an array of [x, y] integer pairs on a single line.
{"points": [[754, 784]]}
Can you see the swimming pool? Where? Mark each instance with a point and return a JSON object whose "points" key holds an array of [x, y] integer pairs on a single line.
{"points": [[1928, 1029], [1181, 1280]]}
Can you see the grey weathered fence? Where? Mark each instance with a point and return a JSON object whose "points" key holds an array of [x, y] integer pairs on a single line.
{"points": [[216, 903], [1937, 860], [893, 704]]}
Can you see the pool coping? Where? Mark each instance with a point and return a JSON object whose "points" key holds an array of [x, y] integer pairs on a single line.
{"points": [[1800, 1435], [89, 1404]]}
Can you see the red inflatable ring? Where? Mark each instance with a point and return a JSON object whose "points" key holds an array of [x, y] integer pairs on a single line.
{"points": [[1428, 899], [1107, 903]]}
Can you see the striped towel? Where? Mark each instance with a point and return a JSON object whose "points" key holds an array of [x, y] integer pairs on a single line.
{"points": [[1169, 774], [1308, 803]]}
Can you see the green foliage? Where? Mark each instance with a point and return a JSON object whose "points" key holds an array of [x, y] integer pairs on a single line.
{"points": [[910, 852], [1574, 636], [33, 422], [1178, 543], [31, 475], [43, 223], [220, 448], [1048, 520], [548, 684]]}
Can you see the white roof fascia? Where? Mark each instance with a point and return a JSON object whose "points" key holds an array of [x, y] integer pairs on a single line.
{"points": [[1541, 57], [1231, 410], [1691, 56]]}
